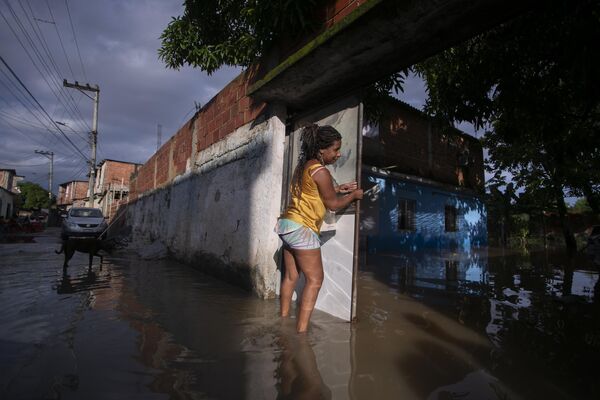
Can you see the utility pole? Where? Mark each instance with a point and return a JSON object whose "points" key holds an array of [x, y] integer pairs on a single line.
{"points": [[94, 133], [49, 155]]}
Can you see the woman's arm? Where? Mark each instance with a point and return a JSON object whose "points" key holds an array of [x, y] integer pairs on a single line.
{"points": [[328, 194]]}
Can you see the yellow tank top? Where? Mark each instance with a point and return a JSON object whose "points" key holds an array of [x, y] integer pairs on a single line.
{"points": [[307, 209]]}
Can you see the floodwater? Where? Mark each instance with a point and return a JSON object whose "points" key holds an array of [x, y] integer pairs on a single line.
{"points": [[444, 326]]}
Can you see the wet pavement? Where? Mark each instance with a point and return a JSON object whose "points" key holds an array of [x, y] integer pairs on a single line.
{"points": [[485, 325]]}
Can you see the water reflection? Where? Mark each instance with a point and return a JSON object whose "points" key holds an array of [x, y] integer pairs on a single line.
{"points": [[483, 325], [297, 373], [537, 313]]}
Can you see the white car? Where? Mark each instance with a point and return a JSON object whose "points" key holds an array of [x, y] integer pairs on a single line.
{"points": [[83, 222]]}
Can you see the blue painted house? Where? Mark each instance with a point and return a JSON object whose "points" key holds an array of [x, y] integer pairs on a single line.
{"points": [[428, 185]]}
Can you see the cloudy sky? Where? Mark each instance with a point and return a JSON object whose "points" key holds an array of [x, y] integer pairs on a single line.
{"points": [[111, 43]]}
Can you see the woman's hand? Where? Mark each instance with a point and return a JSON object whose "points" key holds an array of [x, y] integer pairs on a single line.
{"points": [[347, 187], [357, 194]]}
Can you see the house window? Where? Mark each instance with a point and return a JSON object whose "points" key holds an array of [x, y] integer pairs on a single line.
{"points": [[450, 219], [406, 215]]}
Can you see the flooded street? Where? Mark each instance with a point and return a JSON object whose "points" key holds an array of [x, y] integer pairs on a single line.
{"points": [[447, 326], [485, 325]]}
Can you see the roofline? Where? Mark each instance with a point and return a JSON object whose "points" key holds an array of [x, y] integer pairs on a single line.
{"points": [[64, 183], [119, 161], [429, 117]]}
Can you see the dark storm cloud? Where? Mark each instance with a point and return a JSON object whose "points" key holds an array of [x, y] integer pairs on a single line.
{"points": [[118, 41]]}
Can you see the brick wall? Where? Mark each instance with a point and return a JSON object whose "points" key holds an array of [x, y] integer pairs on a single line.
{"points": [[230, 109], [80, 190], [336, 10], [417, 146], [69, 192], [114, 173]]}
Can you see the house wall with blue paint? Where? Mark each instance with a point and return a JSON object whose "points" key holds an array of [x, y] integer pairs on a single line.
{"points": [[435, 207]]}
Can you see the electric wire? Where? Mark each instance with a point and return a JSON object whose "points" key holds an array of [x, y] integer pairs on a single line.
{"points": [[72, 105], [5, 116], [4, 165], [31, 108], [37, 53], [75, 38], [60, 39], [42, 108], [54, 77], [22, 101]]}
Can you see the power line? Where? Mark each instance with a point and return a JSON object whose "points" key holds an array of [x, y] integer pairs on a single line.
{"points": [[75, 38], [72, 108], [21, 165], [60, 39], [46, 48], [26, 106], [41, 108]]}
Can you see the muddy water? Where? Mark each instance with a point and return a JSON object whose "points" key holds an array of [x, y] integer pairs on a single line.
{"points": [[485, 325], [439, 327]]}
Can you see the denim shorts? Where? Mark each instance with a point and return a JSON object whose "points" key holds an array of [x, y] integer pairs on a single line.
{"points": [[297, 236]]}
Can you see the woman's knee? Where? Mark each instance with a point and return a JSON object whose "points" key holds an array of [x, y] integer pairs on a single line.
{"points": [[291, 277], [314, 280]]}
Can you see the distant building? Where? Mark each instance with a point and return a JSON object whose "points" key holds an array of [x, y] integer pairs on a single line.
{"points": [[112, 184], [9, 190], [72, 194], [430, 184], [9, 180]]}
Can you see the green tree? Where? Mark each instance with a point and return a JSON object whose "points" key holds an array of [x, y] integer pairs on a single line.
{"points": [[533, 84], [581, 206], [213, 33], [500, 204], [33, 196]]}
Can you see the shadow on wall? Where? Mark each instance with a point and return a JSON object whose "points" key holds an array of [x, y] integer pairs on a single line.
{"points": [[218, 217]]}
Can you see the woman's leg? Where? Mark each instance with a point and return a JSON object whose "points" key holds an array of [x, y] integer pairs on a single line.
{"points": [[288, 283], [311, 265]]}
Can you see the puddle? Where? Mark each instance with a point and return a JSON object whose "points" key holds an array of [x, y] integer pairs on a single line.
{"points": [[17, 239]]}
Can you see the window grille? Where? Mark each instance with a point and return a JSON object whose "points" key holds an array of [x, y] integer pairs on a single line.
{"points": [[406, 215], [450, 219]]}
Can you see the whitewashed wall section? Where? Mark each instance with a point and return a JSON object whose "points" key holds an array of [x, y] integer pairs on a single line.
{"points": [[219, 216]]}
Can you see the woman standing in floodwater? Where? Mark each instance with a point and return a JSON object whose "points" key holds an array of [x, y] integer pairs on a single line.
{"points": [[312, 192]]}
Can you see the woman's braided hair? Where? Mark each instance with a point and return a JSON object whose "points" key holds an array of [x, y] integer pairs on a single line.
{"points": [[312, 139]]}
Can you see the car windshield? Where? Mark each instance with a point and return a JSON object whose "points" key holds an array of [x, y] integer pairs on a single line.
{"points": [[86, 212]]}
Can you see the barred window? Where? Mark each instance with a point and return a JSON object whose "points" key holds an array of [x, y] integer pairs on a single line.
{"points": [[406, 215], [450, 219]]}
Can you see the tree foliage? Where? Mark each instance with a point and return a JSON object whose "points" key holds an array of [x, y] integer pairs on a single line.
{"points": [[581, 206], [33, 196], [533, 84], [213, 33]]}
